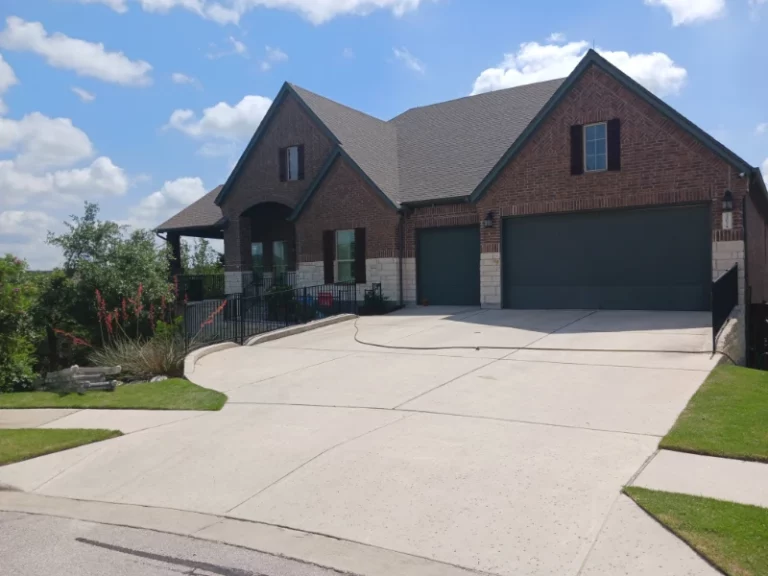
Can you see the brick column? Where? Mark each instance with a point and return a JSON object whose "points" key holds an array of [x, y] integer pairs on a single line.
{"points": [[237, 255]]}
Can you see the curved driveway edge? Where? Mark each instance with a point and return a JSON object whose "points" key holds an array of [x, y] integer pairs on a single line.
{"points": [[341, 555]]}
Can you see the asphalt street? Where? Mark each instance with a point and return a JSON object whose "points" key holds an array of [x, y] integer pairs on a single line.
{"points": [[34, 545]]}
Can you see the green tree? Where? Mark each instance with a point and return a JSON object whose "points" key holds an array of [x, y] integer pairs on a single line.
{"points": [[100, 255], [200, 258], [17, 294]]}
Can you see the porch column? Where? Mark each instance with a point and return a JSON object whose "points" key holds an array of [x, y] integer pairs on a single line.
{"points": [[174, 239], [237, 254]]}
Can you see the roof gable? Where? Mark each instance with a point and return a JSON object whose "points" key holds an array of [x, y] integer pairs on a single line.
{"points": [[592, 58]]}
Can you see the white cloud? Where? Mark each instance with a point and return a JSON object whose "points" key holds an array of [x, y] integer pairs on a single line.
{"points": [[535, 62], [43, 142], [222, 120], [556, 38], [179, 78], [164, 203], [762, 128], [23, 234], [41, 145], [101, 178], [274, 55], [24, 223], [116, 5], [82, 57], [410, 61], [7, 79], [230, 11], [84, 95], [692, 11], [238, 49]]}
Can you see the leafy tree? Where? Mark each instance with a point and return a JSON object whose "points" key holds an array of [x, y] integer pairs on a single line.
{"points": [[200, 258], [100, 255], [17, 295]]}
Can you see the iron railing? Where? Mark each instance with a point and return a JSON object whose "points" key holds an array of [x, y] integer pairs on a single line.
{"points": [[238, 317], [199, 287], [725, 297]]}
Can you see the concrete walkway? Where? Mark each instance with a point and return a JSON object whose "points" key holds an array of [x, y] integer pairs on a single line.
{"points": [[718, 478], [127, 421]]}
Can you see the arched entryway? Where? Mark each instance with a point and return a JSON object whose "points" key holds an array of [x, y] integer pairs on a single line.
{"points": [[273, 243]]}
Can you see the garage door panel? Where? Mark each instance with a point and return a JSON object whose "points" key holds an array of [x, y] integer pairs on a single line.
{"points": [[630, 259], [448, 266]]}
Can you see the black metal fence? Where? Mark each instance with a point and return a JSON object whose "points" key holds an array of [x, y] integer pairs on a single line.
{"points": [[725, 297], [238, 317], [199, 287]]}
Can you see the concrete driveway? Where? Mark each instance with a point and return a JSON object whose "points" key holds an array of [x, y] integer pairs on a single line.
{"points": [[453, 445]]}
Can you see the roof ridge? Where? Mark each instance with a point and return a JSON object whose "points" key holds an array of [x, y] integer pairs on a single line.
{"points": [[480, 95], [297, 87]]}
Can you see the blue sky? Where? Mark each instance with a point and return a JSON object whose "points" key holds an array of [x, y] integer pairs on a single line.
{"points": [[143, 105]]}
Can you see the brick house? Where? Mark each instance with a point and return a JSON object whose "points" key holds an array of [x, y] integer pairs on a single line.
{"points": [[585, 192]]}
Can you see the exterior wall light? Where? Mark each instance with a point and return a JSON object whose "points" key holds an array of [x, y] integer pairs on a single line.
{"points": [[728, 210], [488, 222]]}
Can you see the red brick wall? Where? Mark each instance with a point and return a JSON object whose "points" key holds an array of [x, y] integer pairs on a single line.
{"points": [[436, 216], [344, 201], [660, 163], [259, 180]]}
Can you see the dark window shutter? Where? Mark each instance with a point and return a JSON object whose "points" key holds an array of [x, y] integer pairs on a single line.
{"points": [[329, 255], [301, 162], [614, 145], [281, 157], [360, 256], [577, 150]]}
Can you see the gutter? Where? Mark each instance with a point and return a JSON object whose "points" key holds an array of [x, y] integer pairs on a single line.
{"points": [[437, 202]]}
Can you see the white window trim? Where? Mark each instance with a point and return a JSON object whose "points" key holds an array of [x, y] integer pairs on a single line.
{"points": [[338, 260], [288, 163], [584, 145]]}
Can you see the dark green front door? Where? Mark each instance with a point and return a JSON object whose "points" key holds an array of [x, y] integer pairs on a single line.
{"points": [[650, 259], [448, 266]]}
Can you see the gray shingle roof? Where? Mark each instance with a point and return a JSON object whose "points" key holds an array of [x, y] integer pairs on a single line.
{"points": [[370, 142], [438, 151], [200, 214], [434, 152], [445, 150]]}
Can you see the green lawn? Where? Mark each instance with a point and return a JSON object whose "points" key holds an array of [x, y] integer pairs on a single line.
{"points": [[733, 537], [727, 417], [172, 394], [24, 443]]}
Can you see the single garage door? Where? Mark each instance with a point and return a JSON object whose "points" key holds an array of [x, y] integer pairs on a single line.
{"points": [[651, 259], [448, 266]]}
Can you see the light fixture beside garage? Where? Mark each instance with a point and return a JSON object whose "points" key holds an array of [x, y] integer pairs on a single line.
{"points": [[728, 210], [488, 222]]}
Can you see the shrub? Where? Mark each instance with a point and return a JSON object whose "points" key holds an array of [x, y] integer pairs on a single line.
{"points": [[142, 359], [16, 329]]}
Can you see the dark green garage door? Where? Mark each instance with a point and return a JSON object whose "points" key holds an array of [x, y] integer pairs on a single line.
{"points": [[448, 266], [654, 259]]}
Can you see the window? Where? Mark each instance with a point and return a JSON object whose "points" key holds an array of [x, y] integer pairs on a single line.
{"points": [[292, 162], [345, 255], [595, 148], [257, 254], [279, 257]]}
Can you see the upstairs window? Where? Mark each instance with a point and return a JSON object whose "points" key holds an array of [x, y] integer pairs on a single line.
{"points": [[291, 163], [595, 147]]}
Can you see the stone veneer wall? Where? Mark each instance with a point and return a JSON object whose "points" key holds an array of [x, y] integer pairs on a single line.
{"points": [[724, 256], [490, 280], [378, 270], [409, 281]]}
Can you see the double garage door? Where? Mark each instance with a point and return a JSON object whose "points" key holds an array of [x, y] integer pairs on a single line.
{"points": [[650, 259]]}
